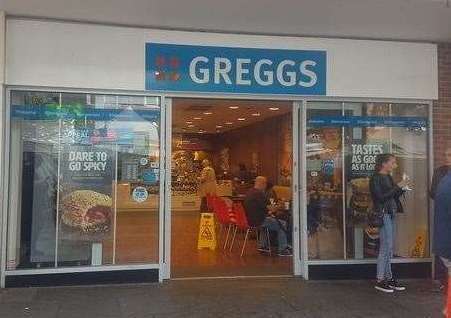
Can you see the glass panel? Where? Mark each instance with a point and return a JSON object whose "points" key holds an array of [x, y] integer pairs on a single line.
{"points": [[138, 182], [324, 182], [96, 159], [407, 140], [33, 181], [368, 129]]}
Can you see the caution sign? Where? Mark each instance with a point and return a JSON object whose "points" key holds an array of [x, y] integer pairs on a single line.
{"points": [[207, 234]]}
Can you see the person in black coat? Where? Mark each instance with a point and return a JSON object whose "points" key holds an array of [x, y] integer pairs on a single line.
{"points": [[441, 194], [385, 194]]}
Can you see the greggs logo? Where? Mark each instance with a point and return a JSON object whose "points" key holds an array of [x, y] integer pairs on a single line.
{"points": [[235, 70]]}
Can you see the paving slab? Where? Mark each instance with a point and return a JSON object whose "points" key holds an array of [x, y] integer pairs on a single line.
{"points": [[228, 298]]}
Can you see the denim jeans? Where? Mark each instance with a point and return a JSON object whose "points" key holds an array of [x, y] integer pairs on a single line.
{"points": [[273, 224], [386, 235]]}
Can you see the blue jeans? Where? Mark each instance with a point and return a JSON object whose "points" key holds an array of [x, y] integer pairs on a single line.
{"points": [[386, 235], [273, 224]]}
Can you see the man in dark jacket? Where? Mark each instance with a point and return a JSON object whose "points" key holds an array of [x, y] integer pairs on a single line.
{"points": [[258, 214], [442, 220], [442, 246]]}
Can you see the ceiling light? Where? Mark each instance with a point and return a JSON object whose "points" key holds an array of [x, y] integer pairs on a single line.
{"points": [[189, 122], [218, 126], [229, 123], [201, 131], [273, 108], [191, 126], [256, 114], [208, 113], [234, 107], [241, 119], [197, 118]]}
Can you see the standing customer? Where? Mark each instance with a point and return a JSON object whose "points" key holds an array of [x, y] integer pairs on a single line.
{"points": [[385, 195], [441, 193], [207, 184]]}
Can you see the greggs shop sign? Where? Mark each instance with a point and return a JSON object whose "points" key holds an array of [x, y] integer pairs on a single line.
{"points": [[191, 68]]}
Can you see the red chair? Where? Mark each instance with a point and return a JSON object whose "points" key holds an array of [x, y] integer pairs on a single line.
{"points": [[225, 216], [241, 223]]}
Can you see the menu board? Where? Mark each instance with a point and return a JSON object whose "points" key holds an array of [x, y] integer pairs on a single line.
{"points": [[130, 170], [85, 194]]}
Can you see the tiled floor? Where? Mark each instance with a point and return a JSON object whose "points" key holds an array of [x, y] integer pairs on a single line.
{"points": [[188, 261]]}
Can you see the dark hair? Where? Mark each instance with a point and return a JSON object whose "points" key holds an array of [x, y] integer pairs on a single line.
{"points": [[381, 159]]}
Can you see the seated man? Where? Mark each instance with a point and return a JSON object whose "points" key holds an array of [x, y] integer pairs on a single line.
{"points": [[258, 214]]}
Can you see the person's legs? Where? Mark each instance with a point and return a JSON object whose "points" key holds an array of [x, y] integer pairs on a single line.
{"points": [[273, 225], [389, 245], [383, 251]]}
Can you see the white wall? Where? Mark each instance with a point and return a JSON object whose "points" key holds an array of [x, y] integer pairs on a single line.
{"points": [[92, 56]]}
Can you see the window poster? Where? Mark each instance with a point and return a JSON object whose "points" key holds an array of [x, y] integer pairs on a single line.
{"points": [[363, 157], [85, 194]]}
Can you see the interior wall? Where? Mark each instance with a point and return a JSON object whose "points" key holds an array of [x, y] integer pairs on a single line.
{"points": [[267, 142]]}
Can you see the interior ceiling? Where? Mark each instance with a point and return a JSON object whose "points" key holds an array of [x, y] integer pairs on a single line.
{"points": [[186, 113], [418, 20]]}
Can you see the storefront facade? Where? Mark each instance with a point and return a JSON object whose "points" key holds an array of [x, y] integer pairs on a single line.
{"points": [[84, 102]]}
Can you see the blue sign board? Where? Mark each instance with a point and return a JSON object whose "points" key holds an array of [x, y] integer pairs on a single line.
{"points": [[190, 68], [368, 121], [33, 112]]}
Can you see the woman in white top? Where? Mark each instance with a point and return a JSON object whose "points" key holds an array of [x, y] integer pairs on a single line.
{"points": [[207, 184]]}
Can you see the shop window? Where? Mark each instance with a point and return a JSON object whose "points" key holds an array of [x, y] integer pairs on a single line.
{"points": [[84, 180], [338, 173]]}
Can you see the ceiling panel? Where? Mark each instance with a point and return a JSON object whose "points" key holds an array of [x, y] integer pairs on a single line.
{"points": [[419, 20], [210, 116]]}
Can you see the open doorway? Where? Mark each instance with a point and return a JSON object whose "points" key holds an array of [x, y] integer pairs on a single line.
{"points": [[238, 140]]}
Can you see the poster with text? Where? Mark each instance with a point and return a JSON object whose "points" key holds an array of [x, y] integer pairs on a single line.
{"points": [[86, 200], [363, 157]]}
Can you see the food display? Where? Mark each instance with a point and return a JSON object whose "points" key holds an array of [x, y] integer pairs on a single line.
{"points": [[87, 212]]}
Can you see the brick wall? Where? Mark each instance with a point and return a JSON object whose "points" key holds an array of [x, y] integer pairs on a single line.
{"points": [[442, 108]]}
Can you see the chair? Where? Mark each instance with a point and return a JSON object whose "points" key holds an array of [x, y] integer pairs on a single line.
{"points": [[225, 216], [241, 223]]}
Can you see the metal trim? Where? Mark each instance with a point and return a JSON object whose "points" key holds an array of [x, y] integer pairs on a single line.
{"points": [[172, 94], [162, 194], [303, 183], [84, 269], [296, 144], [368, 261], [5, 182]]}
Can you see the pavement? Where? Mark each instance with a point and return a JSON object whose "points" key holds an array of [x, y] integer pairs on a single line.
{"points": [[247, 297]]}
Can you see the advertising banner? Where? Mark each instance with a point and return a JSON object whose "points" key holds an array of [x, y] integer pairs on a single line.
{"points": [[86, 205], [363, 157]]}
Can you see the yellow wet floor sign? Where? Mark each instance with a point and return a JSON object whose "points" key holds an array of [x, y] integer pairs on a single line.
{"points": [[207, 234]]}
